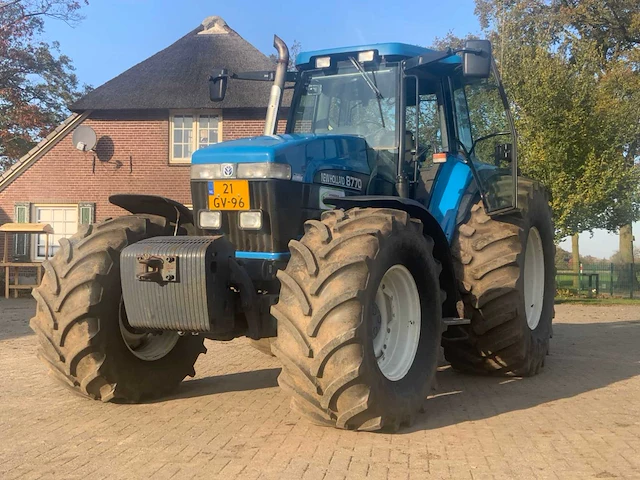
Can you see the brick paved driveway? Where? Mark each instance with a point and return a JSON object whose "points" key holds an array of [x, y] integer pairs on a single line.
{"points": [[579, 419]]}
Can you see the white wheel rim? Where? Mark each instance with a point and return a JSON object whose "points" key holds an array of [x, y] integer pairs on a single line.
{"points": [[534, 278], [397, 319], [146, 346]]}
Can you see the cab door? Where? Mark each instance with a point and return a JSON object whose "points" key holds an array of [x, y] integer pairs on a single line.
{"points": [[486, 135]]}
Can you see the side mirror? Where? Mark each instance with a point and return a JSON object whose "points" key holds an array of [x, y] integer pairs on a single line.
{"points": [[476, 59], [218, 85]]}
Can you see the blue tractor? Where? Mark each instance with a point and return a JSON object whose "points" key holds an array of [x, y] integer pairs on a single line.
{"points": [[387, 222]]}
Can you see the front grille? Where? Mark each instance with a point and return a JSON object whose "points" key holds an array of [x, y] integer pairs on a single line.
{"points": [[281, 202]]}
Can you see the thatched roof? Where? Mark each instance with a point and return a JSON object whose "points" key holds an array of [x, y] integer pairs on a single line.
{"points": [[177, 77]]}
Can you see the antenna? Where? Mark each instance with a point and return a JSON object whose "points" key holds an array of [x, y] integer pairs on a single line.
{"points": [[84, 138]]}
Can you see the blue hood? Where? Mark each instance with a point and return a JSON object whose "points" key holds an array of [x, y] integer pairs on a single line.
{"points": [[306, 153]]}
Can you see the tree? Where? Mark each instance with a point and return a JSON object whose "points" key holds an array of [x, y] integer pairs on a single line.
{"points": [[611, 29], [563, 258], [617, 257], [568, 87], [36, 81]]}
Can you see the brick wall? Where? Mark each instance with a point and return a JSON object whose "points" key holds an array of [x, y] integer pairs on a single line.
{"points": [[136, 145]]}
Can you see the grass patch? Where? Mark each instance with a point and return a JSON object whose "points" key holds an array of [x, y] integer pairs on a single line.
{"points": [[598, 301]]}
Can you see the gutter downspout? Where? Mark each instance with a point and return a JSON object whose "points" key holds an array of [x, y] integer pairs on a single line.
{"points": [[275, 97]]}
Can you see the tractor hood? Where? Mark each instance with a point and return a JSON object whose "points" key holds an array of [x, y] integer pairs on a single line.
{"points": [[306, 153]]}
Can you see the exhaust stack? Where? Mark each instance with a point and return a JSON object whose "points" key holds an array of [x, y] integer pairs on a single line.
{"points": [[275, 97]]}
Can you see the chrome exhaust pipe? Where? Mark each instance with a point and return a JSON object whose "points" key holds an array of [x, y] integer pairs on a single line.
{"points": [[275, 97]]}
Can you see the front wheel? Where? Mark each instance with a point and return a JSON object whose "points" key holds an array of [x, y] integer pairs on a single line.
{"points": [[359, 319], [81, 322]]}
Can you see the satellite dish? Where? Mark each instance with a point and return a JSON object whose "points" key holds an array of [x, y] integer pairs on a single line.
{"points": [[84, 138]]}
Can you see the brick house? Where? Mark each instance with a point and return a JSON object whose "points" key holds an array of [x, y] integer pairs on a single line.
{"points": [[148, 121]]}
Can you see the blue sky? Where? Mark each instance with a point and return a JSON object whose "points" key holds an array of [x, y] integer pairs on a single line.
{"points": [[117, 34]]}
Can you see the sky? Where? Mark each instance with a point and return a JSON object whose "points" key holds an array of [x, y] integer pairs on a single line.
{"points": [[117, 34]]}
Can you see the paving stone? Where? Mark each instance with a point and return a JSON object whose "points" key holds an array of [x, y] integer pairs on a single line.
{"points": [[580, 418]]}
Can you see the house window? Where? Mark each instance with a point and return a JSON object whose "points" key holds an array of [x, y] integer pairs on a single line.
{"points": [[191, 131], [64, 221]]}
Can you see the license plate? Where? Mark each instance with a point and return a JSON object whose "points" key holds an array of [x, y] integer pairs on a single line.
{"points": [[229, 195]]}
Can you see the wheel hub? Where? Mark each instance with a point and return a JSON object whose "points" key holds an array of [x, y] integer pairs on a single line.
{"points": [[533, 278], [145, 345], [396, 322]]}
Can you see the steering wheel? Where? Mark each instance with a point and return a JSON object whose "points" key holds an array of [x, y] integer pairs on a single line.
{"points": [[373, 134]]}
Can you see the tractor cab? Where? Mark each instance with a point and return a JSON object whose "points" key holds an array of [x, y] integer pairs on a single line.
{"points": [[421, 113]]}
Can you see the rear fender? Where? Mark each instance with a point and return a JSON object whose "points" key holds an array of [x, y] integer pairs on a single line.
{"points": [[441, 249]]}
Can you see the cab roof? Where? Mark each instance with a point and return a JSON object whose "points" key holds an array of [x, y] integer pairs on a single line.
{"points": [[393, 49]]}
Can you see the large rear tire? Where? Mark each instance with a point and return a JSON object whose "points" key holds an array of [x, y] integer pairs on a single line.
{"points": [[359, 319], [81, 324], [507, 279]]}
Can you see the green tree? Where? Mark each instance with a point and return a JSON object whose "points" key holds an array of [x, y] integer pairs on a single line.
{"points": [[36, 81], [617, 257], [575, 100], [563, 258], [610, 30]]}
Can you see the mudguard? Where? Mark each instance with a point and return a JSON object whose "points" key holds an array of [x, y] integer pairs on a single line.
{"points": [[441, 249], [154, 205]]}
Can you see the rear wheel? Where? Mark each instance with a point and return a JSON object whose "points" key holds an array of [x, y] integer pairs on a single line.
{"points": [[81, 323], [507, 279], [359, 319]]}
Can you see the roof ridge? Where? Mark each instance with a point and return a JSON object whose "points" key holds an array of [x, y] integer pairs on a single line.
{"points": [[214, 25]]}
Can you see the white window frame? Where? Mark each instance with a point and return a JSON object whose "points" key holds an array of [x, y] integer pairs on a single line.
{"points": [[34, 216], [194, 137]]}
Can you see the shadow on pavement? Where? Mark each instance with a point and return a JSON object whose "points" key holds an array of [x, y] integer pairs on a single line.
{"points": [[231, 382], [15, 314], [583, 357]]}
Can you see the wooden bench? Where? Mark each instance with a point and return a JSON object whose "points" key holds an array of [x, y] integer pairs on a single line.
{"points": [[16, 229]]}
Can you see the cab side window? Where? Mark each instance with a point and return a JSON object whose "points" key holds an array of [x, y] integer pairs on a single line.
{"points": [[463, 122], [484, 132], [480, 113]]}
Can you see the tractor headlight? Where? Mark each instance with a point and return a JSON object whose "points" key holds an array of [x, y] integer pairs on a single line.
{"points": [[251, 220], [216, 171], [210, 219], [206, 171], [280, 171]]}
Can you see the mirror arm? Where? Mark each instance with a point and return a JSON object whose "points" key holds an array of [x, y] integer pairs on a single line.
{"points": [[258, 76], [432, 57], [426, 59]]}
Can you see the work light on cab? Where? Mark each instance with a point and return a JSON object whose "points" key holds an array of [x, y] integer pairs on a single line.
{"points": [[323, 62]]}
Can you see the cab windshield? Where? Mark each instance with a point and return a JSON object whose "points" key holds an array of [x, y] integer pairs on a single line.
{"points": [[350, 99]]}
